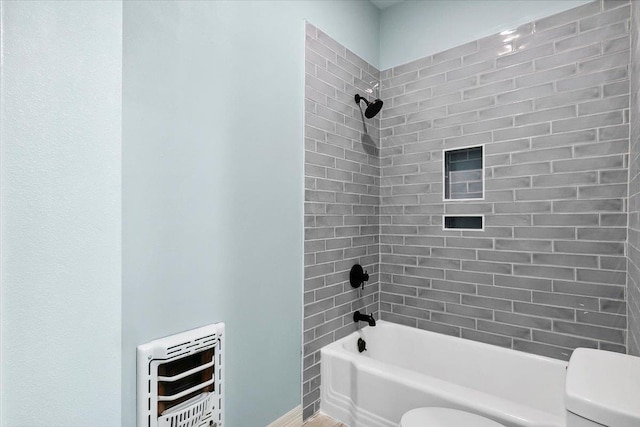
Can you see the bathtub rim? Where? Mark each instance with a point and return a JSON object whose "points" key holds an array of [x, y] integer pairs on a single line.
{"points": [[449, 338], [484, 406]]}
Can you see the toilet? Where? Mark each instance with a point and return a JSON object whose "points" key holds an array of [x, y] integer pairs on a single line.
{"points": [[602, 388], [444, 417]]}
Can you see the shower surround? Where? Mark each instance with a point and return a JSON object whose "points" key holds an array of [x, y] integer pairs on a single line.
{"points": [[342, 185], [633, 254], [550, 103]]}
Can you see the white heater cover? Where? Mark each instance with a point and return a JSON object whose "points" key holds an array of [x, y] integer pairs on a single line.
{"points": [[180, 379]]}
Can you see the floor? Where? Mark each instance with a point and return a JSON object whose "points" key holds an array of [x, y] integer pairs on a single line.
{"points": [[320, 420]]}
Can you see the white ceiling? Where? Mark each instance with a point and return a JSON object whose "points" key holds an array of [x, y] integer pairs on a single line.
{"points": [[383, 4]]}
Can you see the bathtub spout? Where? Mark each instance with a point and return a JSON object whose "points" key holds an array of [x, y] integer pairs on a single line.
{"points": [[357, 317]]}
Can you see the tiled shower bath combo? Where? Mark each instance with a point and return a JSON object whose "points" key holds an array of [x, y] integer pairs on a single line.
{"points": [[546, 108]]}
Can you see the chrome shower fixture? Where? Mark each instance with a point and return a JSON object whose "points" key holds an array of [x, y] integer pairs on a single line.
{"points": [[373, 108]]}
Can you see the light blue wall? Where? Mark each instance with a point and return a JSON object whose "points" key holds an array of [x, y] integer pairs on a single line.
{"points": [[60, 222], [213, 183], [419, 28]]}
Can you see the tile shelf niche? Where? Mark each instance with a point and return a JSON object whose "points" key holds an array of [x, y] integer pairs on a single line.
{"points": [[464, 222], [463, 173]]}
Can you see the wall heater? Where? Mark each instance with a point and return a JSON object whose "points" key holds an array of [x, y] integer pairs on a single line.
{"points": [[180, 379]]}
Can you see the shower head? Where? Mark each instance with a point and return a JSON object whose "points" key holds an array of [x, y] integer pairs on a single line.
{"points": [[373, 108]]}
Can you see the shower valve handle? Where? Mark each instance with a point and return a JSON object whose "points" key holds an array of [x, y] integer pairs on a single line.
{"points": [[357, 276]]}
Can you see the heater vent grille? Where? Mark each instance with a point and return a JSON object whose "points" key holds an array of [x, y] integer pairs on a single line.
{"points": [[180, 379], [191, 346], [189, 413]]}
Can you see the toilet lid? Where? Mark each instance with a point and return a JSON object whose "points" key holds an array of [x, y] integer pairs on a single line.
{"points": [[444, 417]]}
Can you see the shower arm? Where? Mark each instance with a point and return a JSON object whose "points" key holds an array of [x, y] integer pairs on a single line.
{"points": [[359, 98]]}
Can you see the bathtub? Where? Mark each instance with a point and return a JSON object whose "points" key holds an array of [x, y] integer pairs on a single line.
{"points": [[405, 368]]}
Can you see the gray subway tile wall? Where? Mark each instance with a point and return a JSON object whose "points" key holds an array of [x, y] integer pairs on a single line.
{"points": [[341, 212], [633, 247], [550, 102]]}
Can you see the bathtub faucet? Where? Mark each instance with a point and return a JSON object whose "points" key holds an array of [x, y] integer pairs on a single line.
{"points": [[357, 317]]}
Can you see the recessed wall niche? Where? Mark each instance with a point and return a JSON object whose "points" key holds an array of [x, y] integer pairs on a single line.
{"points": [[463, 176], [463, 222]]}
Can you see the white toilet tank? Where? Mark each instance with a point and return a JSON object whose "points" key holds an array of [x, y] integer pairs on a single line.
{"points": [[602, 389]]}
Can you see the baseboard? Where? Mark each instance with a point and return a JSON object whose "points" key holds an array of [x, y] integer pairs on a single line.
{"points": [[293, 418]]}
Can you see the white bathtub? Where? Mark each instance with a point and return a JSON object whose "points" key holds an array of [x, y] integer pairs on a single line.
{"points": [[405, 368]]}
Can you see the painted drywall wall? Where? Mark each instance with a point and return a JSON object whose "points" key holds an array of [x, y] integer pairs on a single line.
{"points": [[60, 150], [213, 98], [415, 29]]}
